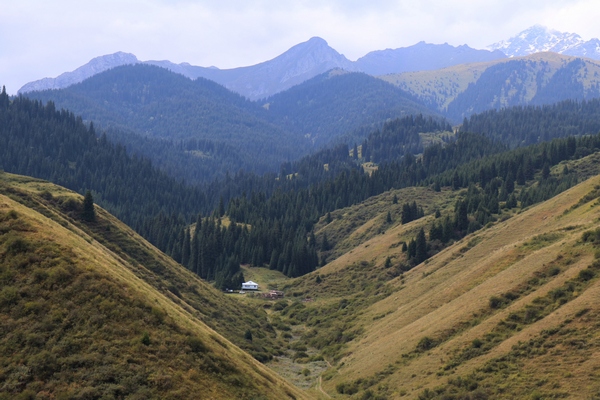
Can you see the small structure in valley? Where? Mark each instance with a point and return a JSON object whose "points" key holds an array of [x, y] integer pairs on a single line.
{"points": [[249, 285]]}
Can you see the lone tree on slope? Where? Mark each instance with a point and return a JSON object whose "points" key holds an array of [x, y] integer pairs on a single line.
{"points": [[89, 213]]}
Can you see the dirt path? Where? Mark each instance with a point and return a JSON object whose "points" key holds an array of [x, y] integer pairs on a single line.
{"points": [[320, 387], [320, 383]]}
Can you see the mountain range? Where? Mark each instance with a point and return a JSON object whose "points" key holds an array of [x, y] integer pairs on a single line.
{"points": [[198, 130], [313, 57], [298, 64]]}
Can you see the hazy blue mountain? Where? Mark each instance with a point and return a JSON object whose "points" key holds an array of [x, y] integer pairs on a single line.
{"points": [[539, 38], [95, 66], [298, 64], [314, 57], [422, 56]]}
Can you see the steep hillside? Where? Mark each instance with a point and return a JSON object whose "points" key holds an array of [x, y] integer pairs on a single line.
{"points": [[497, 304], [90, 310], [541, 78], [509, 311], [303, 61]]}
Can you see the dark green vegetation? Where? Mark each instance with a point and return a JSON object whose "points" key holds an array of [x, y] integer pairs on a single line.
{"points": [[40, 141], [212, 129], [491, 193], [399, 137], [337, 102], [280, 213], [198, 130], [522, 126]]}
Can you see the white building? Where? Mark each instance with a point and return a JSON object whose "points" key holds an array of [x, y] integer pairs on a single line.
{"points": [[249, 285]]}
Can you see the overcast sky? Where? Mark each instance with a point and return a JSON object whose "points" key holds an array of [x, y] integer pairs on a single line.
{"points": [[41, 38]]}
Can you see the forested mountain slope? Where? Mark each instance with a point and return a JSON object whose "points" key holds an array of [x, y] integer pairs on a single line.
{"points": [[39, 141], [91, 310], [338, 102], [198, 130], [209, 122], [518, 126]]}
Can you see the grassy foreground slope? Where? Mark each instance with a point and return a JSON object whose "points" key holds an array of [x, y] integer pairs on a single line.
{"points": [[85, 317], [508, 311]]}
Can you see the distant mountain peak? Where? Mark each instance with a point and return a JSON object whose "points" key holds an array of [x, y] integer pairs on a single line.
{"points": [[301, 62], [422, 56], [539, 38], [317, 39], [93, 67]]}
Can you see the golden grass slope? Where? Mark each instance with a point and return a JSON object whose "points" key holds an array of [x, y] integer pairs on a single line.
{"points": [[79, 319], [505, 313]]}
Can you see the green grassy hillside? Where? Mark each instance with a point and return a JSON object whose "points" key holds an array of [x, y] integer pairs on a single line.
{"points": [[91, 310]]}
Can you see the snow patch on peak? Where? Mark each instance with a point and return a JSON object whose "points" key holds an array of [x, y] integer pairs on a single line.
{"points": [[539, 38]]}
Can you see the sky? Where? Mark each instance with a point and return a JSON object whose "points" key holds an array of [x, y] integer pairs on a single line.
{"points": [[41, 38]]}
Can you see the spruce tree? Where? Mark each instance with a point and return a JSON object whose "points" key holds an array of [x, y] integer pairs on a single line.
{"points": [[88, 213], [420, 247]]}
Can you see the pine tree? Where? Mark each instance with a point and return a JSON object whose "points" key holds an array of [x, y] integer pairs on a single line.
{"points": [[186, 248], [388, 262], [4, 99], [420, 247], [325, 243], [88, 213], [546, 171]]}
